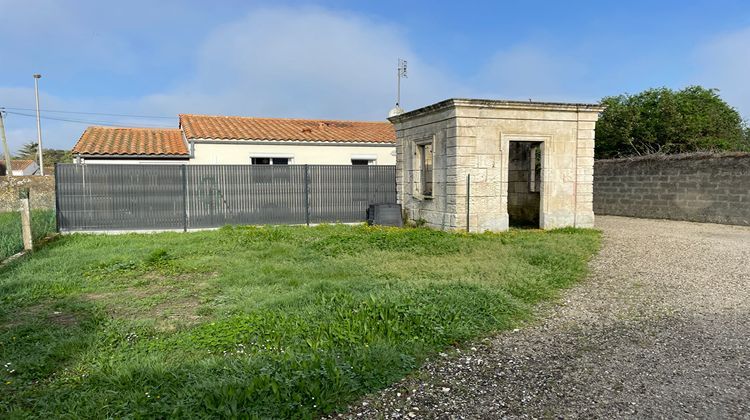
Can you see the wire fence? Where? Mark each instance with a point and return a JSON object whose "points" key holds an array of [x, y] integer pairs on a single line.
{"points": [[165, 197]]}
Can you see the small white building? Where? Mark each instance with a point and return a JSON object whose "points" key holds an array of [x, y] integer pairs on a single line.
{"points": [[20, 167], [203, 139]]}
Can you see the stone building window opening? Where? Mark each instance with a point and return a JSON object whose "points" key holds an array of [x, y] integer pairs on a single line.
{"points": [[425, 158]]}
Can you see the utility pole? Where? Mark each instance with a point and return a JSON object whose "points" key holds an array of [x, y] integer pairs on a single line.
{"points": [[8, 168], [38, 124]]}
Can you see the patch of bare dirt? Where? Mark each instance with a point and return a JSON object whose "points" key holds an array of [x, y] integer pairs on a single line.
{"points": [[40, 311], [63, 318], [160, 300]]}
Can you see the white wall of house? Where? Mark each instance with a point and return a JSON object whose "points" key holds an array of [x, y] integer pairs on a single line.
{"points": [[241, 152], [29, 170]]}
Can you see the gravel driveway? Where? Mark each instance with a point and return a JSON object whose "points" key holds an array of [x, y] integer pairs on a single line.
{"points": [[661, 328]]}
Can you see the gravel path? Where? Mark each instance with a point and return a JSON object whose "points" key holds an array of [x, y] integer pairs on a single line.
{"points": [[661, 328]]}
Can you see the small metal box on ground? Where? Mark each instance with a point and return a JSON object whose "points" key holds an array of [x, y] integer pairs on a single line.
{"points": [[385, 215]]}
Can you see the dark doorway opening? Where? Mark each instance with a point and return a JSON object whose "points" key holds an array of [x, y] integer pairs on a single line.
{"points": [[524, 183]]}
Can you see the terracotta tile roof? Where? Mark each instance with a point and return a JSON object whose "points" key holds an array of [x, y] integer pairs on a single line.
{"points": [[131, 141], [20, 164], [284, 129]]}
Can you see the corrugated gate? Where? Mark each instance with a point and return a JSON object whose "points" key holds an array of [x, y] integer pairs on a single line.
{"points": [[156, 197]]}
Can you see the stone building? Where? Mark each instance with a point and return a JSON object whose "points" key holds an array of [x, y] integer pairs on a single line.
{"points": [[493, 163]]}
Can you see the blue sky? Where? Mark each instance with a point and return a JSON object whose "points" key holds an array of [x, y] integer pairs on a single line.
{"points": [[336, 59]]}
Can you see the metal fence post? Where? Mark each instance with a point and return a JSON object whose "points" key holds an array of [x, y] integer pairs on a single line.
{"points": [[56, 174], [184, 198], [307, 195]]}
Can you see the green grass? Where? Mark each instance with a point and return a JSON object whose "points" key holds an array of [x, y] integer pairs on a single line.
{"points": [[257, 322], [11, 241]]}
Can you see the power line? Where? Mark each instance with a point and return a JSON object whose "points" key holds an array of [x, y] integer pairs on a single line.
{"points": [[92, 113], [104, 123]]}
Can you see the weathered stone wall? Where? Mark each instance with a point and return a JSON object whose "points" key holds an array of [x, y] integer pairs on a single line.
{"points": [[438, 211], [42, 192], [696, 187], [472, 137]]}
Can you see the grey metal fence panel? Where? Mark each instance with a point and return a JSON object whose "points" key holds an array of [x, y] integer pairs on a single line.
{"points": [[236, 194], [343, 193], [116, 197], [135, 197]]}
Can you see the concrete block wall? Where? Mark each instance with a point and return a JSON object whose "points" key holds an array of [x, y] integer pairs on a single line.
{"points": [[698, 187]]}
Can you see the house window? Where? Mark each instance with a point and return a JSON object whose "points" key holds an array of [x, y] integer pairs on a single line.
{"points": [[270, 160], [264, 171], [364, 159], [425, 159]]}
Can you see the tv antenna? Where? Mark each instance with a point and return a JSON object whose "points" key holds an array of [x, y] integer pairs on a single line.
{"points": [[400, 74]]}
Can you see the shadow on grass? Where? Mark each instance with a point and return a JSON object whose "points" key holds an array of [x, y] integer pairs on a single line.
{"points": [[39, 342], [261, 364]]}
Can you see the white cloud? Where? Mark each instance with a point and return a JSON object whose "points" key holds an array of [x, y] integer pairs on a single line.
{"points": [[278, 62], [723, 62], [304, 63], [314, 63]]}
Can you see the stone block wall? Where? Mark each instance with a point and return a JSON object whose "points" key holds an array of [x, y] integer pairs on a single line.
{"points": [[439, 210], [695, 187], [42, 192]]}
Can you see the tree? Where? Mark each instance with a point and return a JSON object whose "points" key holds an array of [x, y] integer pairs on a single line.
{"points": [[667, 121], [51, 156], [27, 151]]}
